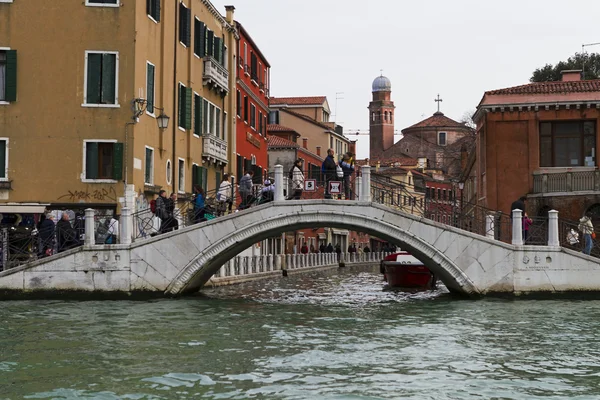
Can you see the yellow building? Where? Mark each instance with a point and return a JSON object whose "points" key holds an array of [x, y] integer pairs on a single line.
{"points": [[82, 85]]}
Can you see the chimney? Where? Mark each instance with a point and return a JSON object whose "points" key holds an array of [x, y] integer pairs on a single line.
{"points": [[305, 143], [571, 75], [319, 151], [229, 15]]}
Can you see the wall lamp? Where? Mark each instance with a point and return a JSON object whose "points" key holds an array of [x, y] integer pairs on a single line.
{"points": [[139, 105]]}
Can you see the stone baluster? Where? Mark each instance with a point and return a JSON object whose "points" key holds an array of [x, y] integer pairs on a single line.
{"points": [[357, 188], [279, 183], [288, 261], [125, 225], [278, 263], [517, 227], [366, 183], [270, 262], [553, 238], [90, 223]]}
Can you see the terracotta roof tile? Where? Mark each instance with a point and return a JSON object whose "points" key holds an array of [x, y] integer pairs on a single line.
{"points": [[297, 101], [437, 120], [278, 142], [551, 88], [278, 128]]}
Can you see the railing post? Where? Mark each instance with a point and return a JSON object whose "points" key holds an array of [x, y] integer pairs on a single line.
{"points": [[489, 226], [90, 237], [517, 227], [5, 249], [125, 224], [545, 183], [553, 238], [279, 183], [366, 183], [358, 188]]}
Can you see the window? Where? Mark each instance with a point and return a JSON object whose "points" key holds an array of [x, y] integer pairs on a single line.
{"points": [[239, 170], [198, 115], [185, 107], [149, 167], [153, 9], [8, 75], [246, 59], [218, 50], [253, 116], [260, 122], [100, 3], [199, 176], [101, 78], [103, 160], [245, 108], [211, 118], [210, 42], [181, 177], [206, 116], [217, 122], [442, 138], [273, 117], [253, 68], [568, 144], [224, 137], [3, 159], [239, 104], [150, 68], [184, 25], [199, 38]]}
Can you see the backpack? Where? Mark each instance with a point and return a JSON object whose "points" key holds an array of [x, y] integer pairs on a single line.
{"points": [[339, 171], [153, 206]]}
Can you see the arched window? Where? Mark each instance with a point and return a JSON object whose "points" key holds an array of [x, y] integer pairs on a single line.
{"points": [[373, 116], [391, 118], [385, 116]]}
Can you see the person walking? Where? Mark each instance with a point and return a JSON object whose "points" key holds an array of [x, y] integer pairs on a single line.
{"points": [[113, 230], [199, 204], [223, 195], [329, 169], [161, 210], [246, 189], [46, 230], [297, 177], [304, 248], [587, 229], [527, 222], [347, 165], [66, 236], [171, 221]]}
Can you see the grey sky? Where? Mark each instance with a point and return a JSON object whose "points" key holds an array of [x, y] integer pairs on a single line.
{"points": [[457, 48]]}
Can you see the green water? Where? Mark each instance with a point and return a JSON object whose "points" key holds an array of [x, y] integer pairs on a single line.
{"points": [[336, 336]]}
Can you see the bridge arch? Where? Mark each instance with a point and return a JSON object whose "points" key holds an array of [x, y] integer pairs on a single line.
{"points": [[208, 261]]}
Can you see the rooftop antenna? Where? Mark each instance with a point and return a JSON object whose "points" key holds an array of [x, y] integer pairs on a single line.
{"points": [[583, 46], [337, 97]]}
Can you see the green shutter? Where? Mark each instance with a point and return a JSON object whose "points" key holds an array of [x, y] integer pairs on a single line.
{"points": [[181, 107], [202, 44], [91, 160], [3, 165], [198, 115], [150, 88], [217, 49], [11, 75], [156, 15], [188, 108], [118, 161], [109, 66], [94, 78], [210, 42]]}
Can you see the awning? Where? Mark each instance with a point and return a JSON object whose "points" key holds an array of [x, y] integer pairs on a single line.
{"points": [[23, 208], [322, 236], [340, 232]]}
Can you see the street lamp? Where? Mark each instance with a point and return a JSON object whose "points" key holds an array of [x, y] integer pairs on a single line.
{"points": [[139, 105]]}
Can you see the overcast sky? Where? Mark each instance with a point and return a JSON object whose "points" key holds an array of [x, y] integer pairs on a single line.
{"points": [[457, 48]]}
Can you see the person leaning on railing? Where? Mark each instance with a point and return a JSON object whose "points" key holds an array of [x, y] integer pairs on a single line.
{"points": [[46, 235], [199, 204], [223, 198], [246, 189], [347, 165], [297, 177], [587, 229]]}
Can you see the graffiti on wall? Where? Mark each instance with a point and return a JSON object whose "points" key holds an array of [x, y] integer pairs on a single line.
{"points": [[108, 195]]}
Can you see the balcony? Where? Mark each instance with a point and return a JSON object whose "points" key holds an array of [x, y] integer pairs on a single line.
{"points": [[214, 149], [566, 180], [215, 75]]}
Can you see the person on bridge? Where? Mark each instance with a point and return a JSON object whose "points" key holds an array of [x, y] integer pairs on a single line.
{"points": [[199, 204], [587, 229], [246, 189], [329, 248], [347, 165], [329, 169], [267, 193], [527, 222], [518, 205], [46, 230], [322, 248], [66, 236], [304, 248], [223, 195], [297, 177]]}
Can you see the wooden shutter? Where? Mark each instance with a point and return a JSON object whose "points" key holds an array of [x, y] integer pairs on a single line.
{"points": [[181, 107], [3, 166], [194, 177], [199, 38], [187, 26], [217, 49], [156, 15], [149, 4], [94, 78], [91, 160], [109, 65], [198, 115], [210, 43], [118, 161], [11, 76], [218, 178], [188, 108], [150, 88], [239, 167]]}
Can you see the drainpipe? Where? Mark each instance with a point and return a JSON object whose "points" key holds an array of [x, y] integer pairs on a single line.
{"points": [[175, 165]]}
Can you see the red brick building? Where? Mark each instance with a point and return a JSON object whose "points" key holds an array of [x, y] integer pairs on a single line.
{"points": [[540, 140], [252, 99]]}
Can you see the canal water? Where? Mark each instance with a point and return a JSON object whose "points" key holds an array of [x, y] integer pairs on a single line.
{"points": [[325, 336]]}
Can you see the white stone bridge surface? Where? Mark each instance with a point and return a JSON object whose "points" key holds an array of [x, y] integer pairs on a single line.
{"points": [[184, 260]]}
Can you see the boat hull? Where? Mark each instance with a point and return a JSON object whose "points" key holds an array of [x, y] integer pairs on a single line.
{"points": [[413, 277]]}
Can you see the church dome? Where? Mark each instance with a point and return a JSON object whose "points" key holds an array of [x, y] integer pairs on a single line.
{"points": [[382, 84]]}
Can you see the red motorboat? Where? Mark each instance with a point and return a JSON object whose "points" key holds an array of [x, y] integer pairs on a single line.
{"points": [[402, 270]]}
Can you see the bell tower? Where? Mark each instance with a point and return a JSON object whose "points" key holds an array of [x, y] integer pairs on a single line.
{"points": [[381, 118]]}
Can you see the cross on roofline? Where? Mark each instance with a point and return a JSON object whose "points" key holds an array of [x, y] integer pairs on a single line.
{"points": [[438, 101]]}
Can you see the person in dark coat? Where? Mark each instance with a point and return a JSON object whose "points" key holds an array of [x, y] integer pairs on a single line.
{"points": [[170, 222], [518, 205], [66, 236], [46, 235], [366, 249], [338, 251], [329, 248], [322, 248], [329, 169]]}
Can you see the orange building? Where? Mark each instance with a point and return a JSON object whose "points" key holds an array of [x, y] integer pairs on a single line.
{"points": [[540, 140]]}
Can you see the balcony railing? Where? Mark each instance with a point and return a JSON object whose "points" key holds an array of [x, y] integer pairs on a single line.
{"points": [[214, 149], [566, 180], [215, 74]]}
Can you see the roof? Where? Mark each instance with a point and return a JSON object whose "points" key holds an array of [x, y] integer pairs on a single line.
{"points": [[551, 88], [317, 123], [278, 128], [298, 101], [437, 120], [276, 141], [244, 33]]}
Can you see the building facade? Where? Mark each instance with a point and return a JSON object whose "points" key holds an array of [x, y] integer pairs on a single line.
{"points": [[80, 129], [540, 140], [252, 111]]}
